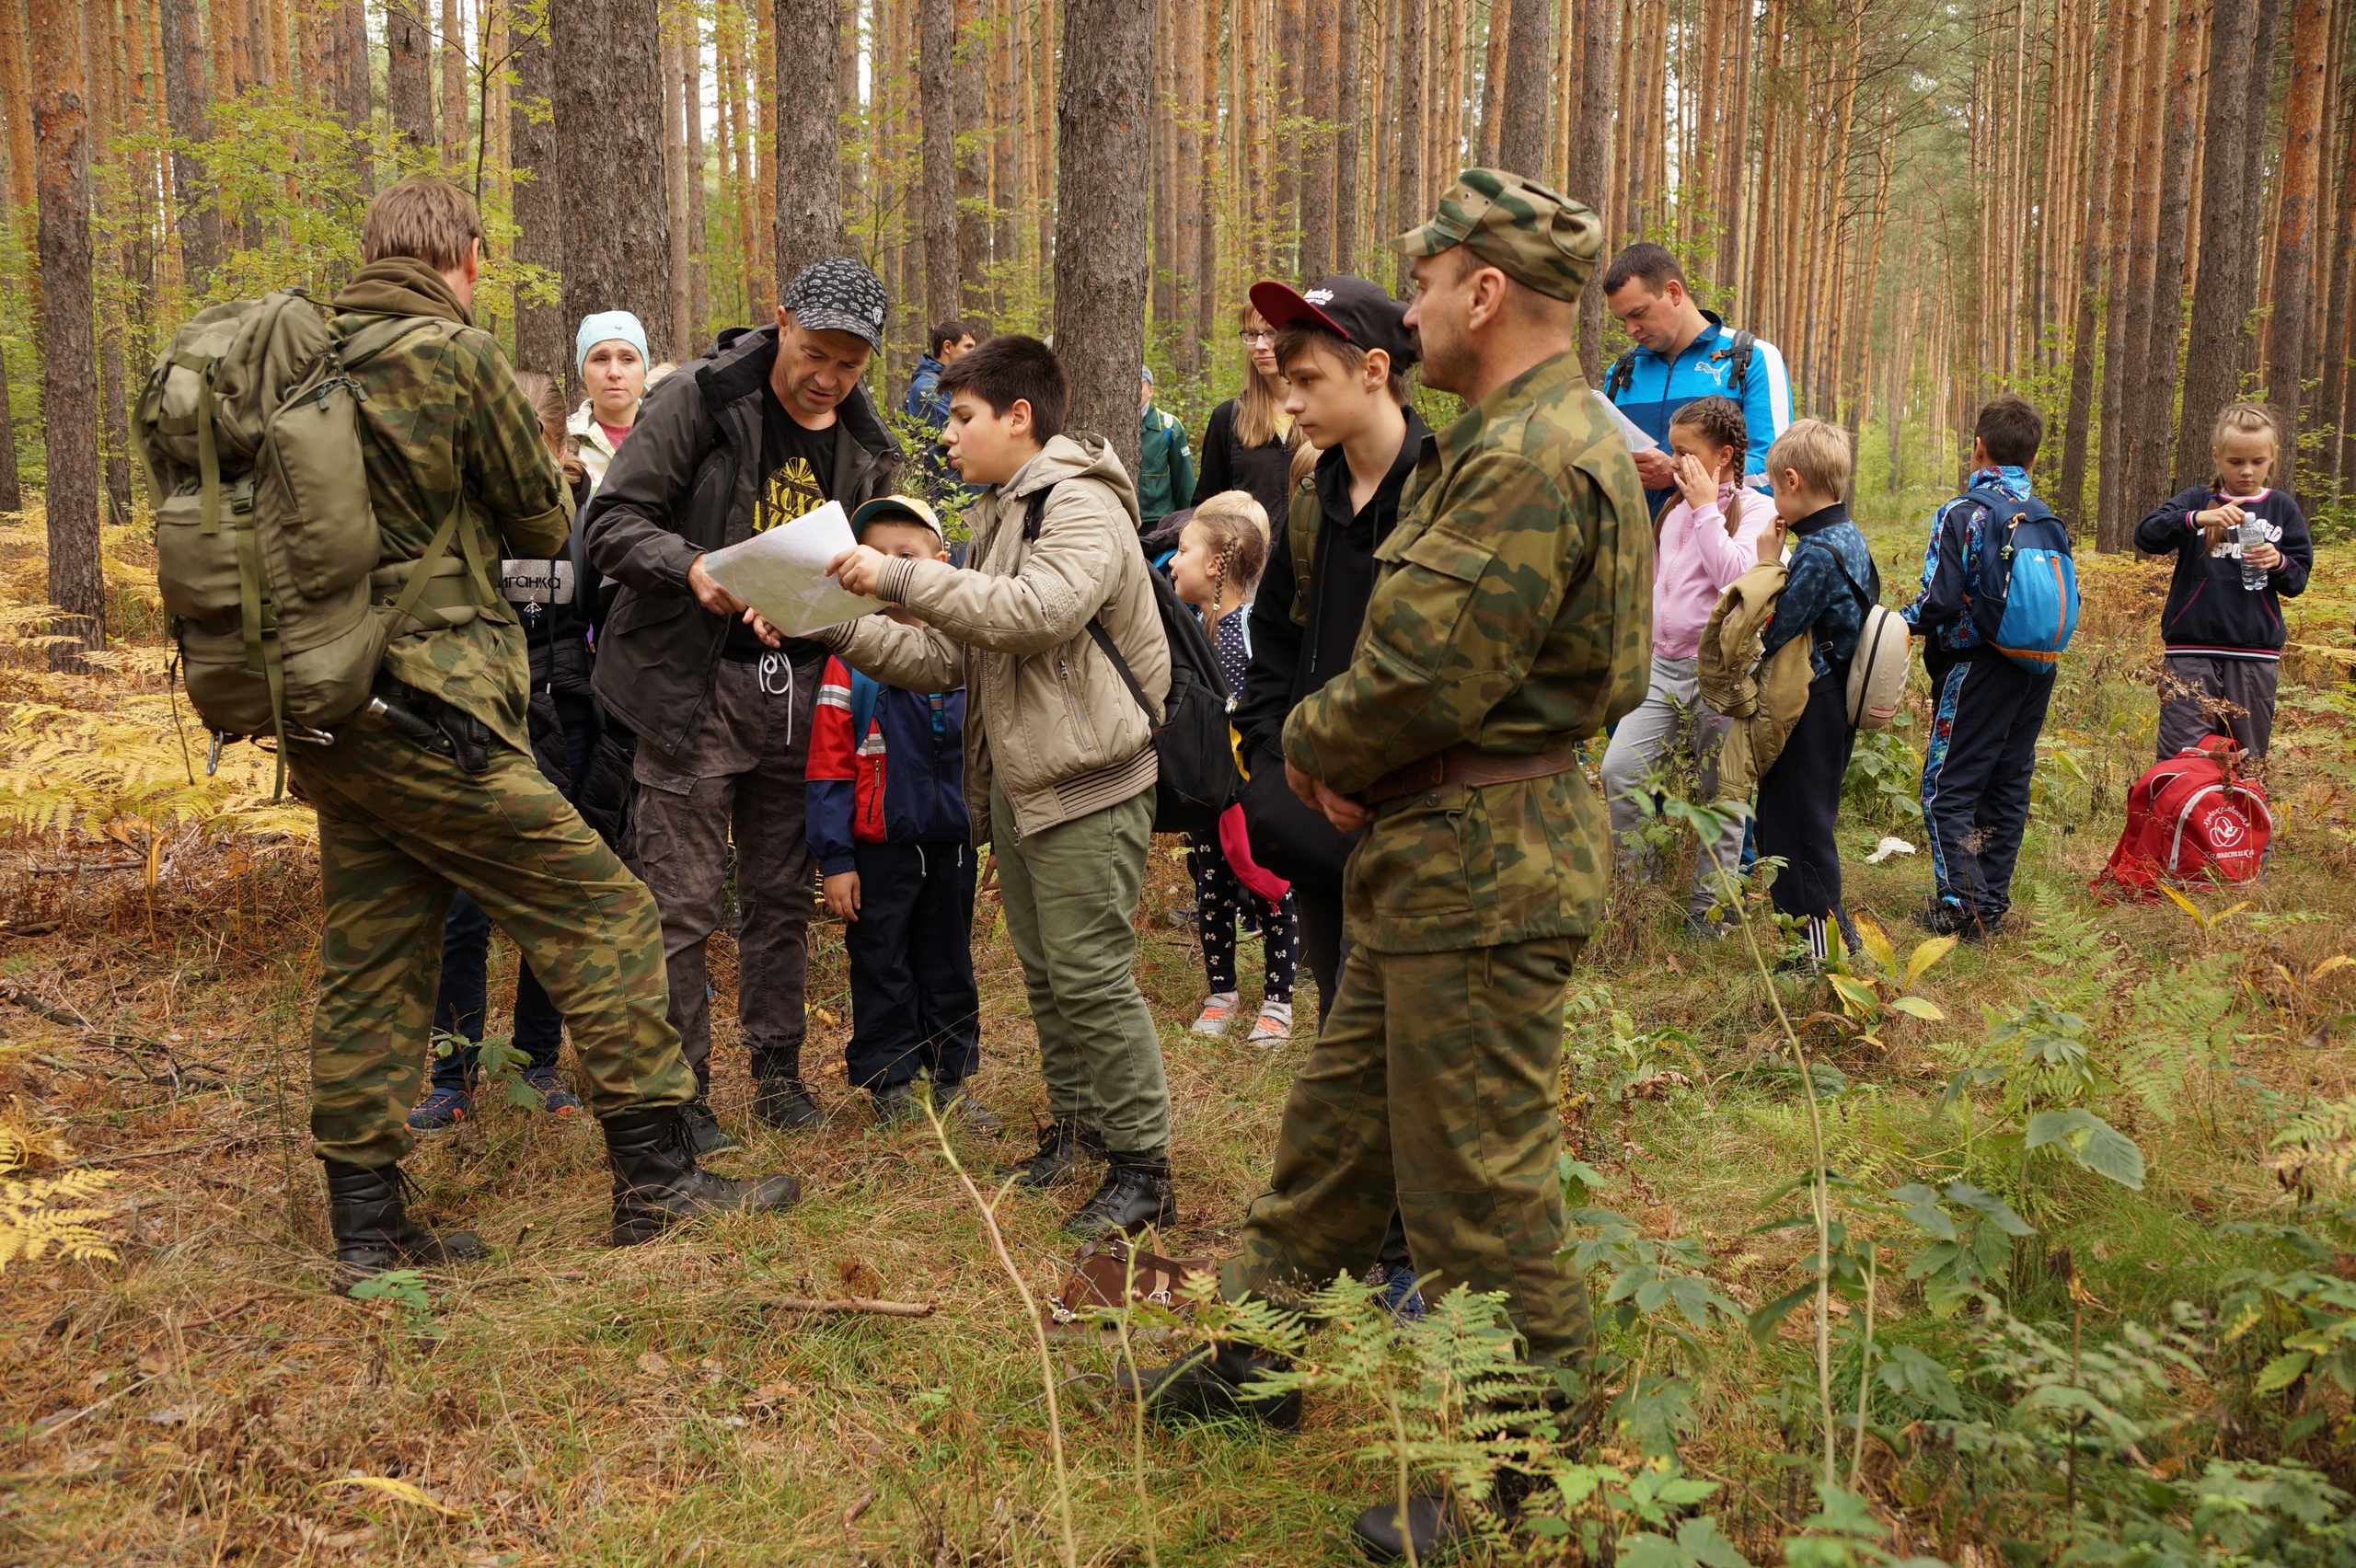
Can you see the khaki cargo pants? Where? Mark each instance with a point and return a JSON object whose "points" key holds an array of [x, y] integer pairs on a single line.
{"points": [[1433, 1085], [400, 829]]}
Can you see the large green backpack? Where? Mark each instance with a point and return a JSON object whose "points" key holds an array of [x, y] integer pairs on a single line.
{"points": [[267, 548]]}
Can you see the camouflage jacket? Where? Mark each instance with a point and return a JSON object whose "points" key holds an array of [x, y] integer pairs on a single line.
{"points": [[1513, 609], [442, 413]]}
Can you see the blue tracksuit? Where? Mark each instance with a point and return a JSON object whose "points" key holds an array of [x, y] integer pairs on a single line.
{"points": [[1658, 387], [1987, 715], [924, 401]]}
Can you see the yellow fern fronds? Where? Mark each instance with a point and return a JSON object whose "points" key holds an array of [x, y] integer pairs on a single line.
{"points": [[45, 1216], [2317, 1145]]}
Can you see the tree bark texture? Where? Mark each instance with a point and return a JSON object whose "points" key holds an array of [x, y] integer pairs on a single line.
{"points": [[454, 88], [69, 356], [200, 220], [408, 83], [12, 493], [973, 153], [2227, 282], [1317, 151], [1522, 99], [1352, 76], [541, 342], [2287, 330], [2084, 334], [937, 107], [607, 103], [809, 136], [1589, 177], [2157, 399], [674, 182], [1101, 220], [1409, 128]]}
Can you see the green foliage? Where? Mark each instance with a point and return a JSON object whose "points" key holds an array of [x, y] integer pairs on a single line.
{"points": [[1883, 784], [405, 1290], [1842, 1533], [498, 1059], [2039, 1058], [1602, 1041]]}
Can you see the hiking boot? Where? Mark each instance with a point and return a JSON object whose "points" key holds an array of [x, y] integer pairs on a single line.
{"points": [[704, 1129], [896, 1105], [956, 1104], [441, 1110], [657, 1182], [554, 1098], [1136, 1193], [1062, 1147], [368, 1213], [1208, 1386], [1439, 1525], [1947, 918], [780, 1099]]}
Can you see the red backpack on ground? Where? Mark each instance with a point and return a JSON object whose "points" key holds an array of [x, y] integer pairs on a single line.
{"points": [[2190, 818]]}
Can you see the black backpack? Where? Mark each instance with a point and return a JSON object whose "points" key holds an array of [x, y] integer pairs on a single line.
{"points": [[1198, 778]]}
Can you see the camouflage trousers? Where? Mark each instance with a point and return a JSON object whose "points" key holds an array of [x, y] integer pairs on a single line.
{"points": [[400, 829], [1433, 1085]]}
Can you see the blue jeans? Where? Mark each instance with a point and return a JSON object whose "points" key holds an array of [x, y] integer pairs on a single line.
{"points": [[464, 995]]}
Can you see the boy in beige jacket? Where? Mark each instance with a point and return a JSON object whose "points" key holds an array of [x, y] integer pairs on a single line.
{"points": [[1059, 762]]}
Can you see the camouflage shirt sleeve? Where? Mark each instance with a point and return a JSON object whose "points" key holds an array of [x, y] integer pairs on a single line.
{"points": [[1464, 605], [510, 471]]}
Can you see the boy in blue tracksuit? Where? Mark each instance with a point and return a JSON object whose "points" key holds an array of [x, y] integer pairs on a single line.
{"points": [[1987, 709], [1683, 354], [888, 826]]}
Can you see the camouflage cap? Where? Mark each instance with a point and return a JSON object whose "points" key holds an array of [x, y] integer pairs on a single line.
{"points": [[1531, 233]]}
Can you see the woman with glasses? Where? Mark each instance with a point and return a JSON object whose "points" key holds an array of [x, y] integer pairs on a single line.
{"points": [[1249, 444]]}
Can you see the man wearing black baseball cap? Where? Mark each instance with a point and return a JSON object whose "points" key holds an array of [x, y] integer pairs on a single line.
{"points": [[1345, 348], [772, 425]]}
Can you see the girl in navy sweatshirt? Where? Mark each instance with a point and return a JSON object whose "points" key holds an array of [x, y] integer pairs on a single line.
{"points": [[2223, 624]]}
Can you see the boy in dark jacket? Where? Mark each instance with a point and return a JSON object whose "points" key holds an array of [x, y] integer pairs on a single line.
{"points": [[1831, 584], [1989, 709], [888, 827], [2222, 623]]}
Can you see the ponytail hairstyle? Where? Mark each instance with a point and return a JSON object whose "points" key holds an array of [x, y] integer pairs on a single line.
{"points": [[1257, 411], [2237, 419], [548, 402], [1236, 529]]}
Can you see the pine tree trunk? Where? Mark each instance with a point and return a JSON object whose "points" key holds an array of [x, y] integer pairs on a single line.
{"points": [[2129, 322], [1317, 147], [12, 493], [675, 181], [16, 83], [1589, 174], [807, 165], [937, 108], [2288, 331], [1284, 254], [973, 154], [541, 342], [1408, 205], [454, 88], [69, 382], [348, 39], [2073, 495], [699, 214], [1521, 102], [1100, 218], [2265, 65], [409, 85], [1346, 108], [199, 220], [1006, 164], [607, 104], [1186, 184], [2340, 452], [2158, 398], [1207, 296], [2222, 294]]}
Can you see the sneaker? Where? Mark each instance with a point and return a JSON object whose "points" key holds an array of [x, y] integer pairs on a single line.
{"points": [[956, 1104], [1400, 1296], [441, 1110], [705, 1135], [895, 1105], [1217, 1014], [1272, 1027], [1136, 1193], [554, 1098]]}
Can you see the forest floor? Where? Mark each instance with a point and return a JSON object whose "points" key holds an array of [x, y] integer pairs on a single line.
{"points": [[209, 1397]]}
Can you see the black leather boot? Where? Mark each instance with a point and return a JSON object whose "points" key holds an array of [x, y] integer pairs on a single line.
{"points": [[369, 1217], [1440, 1524], [1208, 1386], [657, 1182], [704, 1130], [1063, 1146], [780, 1099], [1136, 1193]]}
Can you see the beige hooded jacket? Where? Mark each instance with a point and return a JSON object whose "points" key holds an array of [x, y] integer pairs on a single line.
{"points": [[1046, 714]]}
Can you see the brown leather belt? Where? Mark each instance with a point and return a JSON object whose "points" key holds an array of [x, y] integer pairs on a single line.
{"points": [[1467, 764]]}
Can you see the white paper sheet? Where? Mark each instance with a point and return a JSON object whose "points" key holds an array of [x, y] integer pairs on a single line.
{"points": [[1637, 440], [781, 572]]}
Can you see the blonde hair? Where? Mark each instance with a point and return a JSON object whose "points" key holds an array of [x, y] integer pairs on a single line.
{"points": [[1304, 462], [1818, 452], [1236, 527], [2241, 419], [1257, 410], [548, 402], [428, 219]]}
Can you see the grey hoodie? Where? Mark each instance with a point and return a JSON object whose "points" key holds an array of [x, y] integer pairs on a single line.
{"points": [[1048, 715]]}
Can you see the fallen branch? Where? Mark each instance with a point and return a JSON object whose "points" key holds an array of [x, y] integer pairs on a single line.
{"points": [[77, 867], [150, 1154], [862, 1304]]}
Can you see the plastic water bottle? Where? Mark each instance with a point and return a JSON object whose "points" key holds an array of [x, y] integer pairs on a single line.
{"points": [[2253, 533]]}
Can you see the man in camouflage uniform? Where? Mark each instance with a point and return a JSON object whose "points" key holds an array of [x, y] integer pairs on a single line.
{"points": [[432, 786], [1510, 620]]}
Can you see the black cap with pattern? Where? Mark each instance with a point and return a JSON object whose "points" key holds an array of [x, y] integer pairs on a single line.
{"points": [[839, 295]]}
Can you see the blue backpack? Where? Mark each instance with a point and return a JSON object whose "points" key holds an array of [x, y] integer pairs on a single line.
{"points": [[2026, 604]]}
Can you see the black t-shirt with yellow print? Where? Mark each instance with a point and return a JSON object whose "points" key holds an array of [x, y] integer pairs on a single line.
{"points": [[800, 466]]}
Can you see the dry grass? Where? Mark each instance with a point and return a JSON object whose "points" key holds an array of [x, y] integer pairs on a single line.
{"points": [[208, 1399]]}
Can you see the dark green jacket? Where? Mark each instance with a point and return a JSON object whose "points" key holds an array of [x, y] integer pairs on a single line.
{"points": [[1165, 469]]}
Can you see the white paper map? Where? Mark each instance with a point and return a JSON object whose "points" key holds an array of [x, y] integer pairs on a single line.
{"points": [[1637, 440], [782, 573]]}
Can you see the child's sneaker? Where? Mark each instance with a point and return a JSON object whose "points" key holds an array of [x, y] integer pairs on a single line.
{"points": [[441, 1110], [1217, 1014], [554, 1098], [1272, 1027], [1400, 1297]]}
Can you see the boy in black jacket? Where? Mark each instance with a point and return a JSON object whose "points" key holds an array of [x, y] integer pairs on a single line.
{"points": [[2223, 624]]}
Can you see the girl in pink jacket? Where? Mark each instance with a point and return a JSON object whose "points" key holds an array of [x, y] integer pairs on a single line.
{"points": [[1705, 540]]}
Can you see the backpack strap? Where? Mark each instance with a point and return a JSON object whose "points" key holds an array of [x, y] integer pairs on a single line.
{"points": [[1738, 353], [1301, 538], [1619, 376], [1034, 511], [1103, 641]]}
